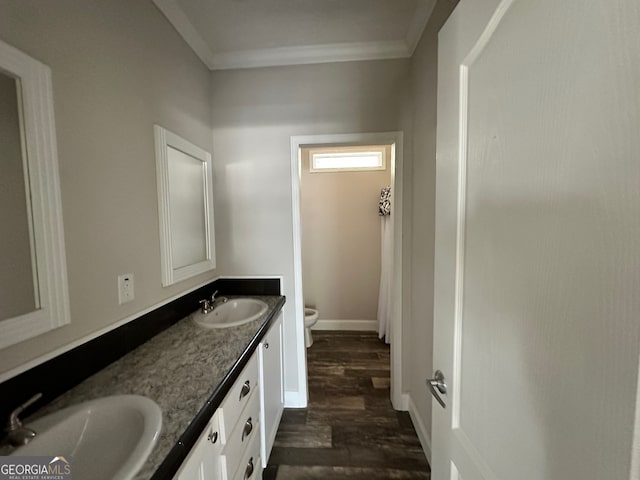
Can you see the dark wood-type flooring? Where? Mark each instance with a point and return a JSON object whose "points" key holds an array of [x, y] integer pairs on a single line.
{"points": [[349, 430]]}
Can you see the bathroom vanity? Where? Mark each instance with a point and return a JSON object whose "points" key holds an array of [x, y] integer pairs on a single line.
{"points": [[220, 392], [236, 442]]}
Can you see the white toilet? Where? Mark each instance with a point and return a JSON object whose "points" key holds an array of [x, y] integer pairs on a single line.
{"points": [[310, 319]]}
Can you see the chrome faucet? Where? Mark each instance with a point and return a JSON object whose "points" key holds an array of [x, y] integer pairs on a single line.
{"points": [[209, 305], [215, 300], [206, 306], [17, 434]]}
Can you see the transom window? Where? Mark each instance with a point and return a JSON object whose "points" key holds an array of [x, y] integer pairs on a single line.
{"points": [[347, 159]]}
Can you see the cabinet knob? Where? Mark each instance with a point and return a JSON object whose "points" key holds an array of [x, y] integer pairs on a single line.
{"points": [[266, 345], [246, 388], [249, 470], [248, 427], [213, 437]]}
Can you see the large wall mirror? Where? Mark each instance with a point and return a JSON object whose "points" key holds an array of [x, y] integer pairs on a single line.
{"points": [[33, 276], [185, 206]]}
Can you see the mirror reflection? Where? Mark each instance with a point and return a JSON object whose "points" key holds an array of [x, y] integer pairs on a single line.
{"points": [[18, 276], [188, 215]]}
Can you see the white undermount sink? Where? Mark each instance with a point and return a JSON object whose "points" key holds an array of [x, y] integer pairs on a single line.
{"points": [[232, 313], [107, 438]]}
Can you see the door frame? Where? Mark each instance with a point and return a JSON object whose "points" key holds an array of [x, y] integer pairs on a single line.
{"points": [[395, 139]]}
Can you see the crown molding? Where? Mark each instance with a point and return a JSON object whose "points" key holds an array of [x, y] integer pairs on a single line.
{"points": [[299, 55], [185, 28], [304, 55]]}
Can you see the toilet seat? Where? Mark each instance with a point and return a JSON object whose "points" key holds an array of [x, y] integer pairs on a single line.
{"points": [[310, 319]]}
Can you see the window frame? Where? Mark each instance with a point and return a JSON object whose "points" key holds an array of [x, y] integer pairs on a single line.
{"points": [[347, 152]]}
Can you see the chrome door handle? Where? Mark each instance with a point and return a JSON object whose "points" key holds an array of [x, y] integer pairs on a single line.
{"points": [[438, 386]]}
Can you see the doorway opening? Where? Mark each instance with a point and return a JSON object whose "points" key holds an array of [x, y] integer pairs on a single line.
{"points": [[342, 238], [302, 163]]}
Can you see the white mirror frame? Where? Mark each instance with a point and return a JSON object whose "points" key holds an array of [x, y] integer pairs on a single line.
{"points": [[163, 140], [41, 160]]}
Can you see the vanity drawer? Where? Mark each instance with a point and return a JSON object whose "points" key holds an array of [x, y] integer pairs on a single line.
{"points": [[246, 431], [251, 464], [238, 397]]}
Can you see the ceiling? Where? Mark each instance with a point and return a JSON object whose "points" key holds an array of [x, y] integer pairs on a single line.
{"points": [[259, 33]]}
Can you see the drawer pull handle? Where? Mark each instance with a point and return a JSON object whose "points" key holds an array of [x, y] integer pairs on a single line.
{"points": [[213, 437], [246, 388], [246, 431], [249, 470]]}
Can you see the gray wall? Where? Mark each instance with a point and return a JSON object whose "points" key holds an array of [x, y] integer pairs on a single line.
{"points": [[255, 113], [118, 67], [418, 333]]}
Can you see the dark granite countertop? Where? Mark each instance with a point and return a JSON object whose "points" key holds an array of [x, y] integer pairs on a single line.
{"points": [[186, 370]]}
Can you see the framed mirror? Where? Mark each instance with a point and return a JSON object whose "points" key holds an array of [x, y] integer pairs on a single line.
{"points": [[33, 276], [185, 206]]}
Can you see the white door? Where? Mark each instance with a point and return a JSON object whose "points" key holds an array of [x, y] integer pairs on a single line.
{"points": [[537, 281]]}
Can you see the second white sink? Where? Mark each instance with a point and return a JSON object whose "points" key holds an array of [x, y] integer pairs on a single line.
{"points": [[232, 313]]}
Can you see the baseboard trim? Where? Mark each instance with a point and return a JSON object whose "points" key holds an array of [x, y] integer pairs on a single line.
{"points": [[421, 429], [358, 325], [293, 399], [403, 403]]}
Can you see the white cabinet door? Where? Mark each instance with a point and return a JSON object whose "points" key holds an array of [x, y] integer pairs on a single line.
{"points": [[537, 273], [272, 393], [203, 462]]}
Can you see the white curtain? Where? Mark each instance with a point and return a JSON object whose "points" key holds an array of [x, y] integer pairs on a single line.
{"points": [[386, 272]]}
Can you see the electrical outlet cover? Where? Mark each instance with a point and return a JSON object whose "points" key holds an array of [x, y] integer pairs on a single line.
{"points": [[125, 288]]}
